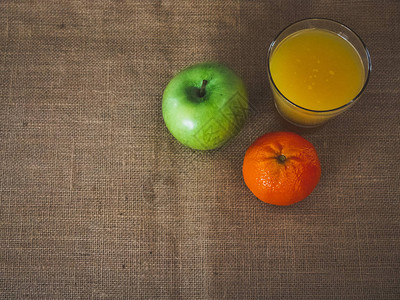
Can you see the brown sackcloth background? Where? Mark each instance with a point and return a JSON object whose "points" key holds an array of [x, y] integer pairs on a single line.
{"points": [[98, 201]]}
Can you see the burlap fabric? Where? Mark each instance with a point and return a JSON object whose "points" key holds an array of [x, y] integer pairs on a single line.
{"points": [[97, 200]]}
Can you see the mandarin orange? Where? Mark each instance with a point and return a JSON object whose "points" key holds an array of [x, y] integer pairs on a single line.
{"points": [[281, 168]]}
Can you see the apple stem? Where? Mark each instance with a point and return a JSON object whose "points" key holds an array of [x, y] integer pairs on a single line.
{"points": [[281, 158], [202, 90]]}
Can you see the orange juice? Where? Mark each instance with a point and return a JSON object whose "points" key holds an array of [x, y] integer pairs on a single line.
{"points": [[317, 69]]}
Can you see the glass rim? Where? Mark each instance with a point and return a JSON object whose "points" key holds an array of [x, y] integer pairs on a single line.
{"points": [[352, 101]]}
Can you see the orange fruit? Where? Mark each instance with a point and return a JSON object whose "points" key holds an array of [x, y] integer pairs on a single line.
{"points": [[281, 168]]}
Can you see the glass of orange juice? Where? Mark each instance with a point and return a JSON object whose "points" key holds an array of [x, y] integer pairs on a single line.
{"points": [[317, 69]]}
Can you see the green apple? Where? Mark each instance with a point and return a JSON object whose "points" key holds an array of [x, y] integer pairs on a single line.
{"points": [[205, 105]]}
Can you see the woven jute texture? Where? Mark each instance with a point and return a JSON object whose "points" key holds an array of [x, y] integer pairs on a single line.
{"points": [[99, 201]]}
